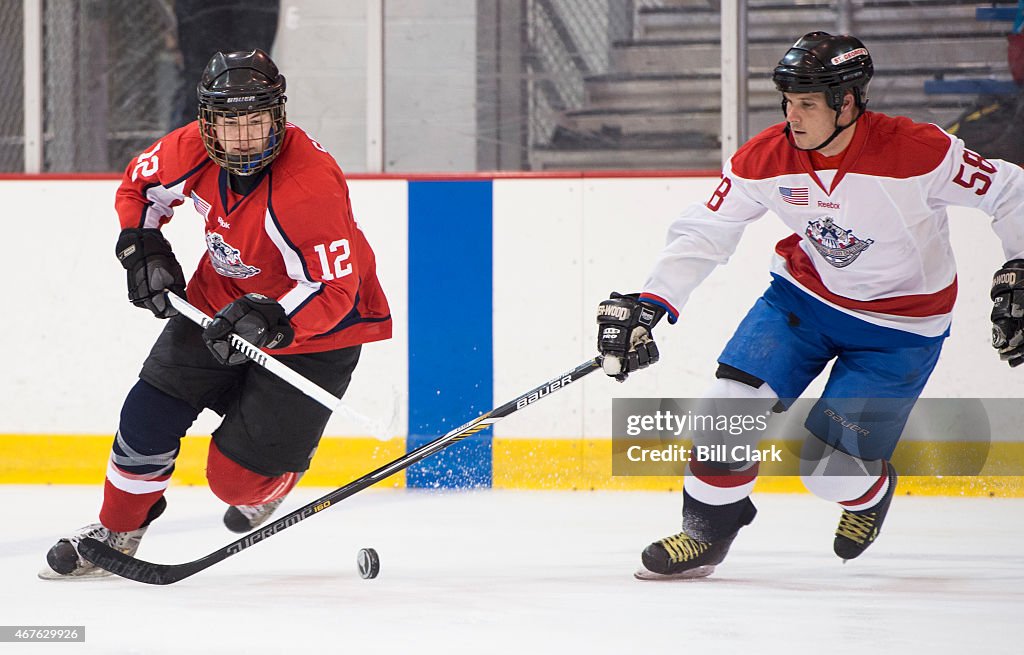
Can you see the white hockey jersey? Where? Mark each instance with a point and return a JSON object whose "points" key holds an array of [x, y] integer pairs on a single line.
{"points": [[871, 238]]}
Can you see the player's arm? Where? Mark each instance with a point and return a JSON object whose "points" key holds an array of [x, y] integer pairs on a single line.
{"points": [[154, 181], [335, 261], [996, 187], [326, 256], [144, 202], [703, 237]]}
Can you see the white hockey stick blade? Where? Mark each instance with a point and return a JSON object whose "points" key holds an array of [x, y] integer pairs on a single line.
{"points": [[379, 430], [311, 389]]}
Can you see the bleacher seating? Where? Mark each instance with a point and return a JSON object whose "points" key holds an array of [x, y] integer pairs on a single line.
{"points": [[659, 104]]}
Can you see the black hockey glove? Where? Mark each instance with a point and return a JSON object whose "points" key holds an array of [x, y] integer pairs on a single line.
{"points": [[1008, 312], [152, 269], [259, 320], [624, 336]]}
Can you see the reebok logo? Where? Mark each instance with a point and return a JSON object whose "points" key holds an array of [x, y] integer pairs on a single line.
{"points": [[828, 205]]}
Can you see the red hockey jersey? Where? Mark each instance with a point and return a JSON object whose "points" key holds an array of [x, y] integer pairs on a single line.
{"points": [[292, 237]]}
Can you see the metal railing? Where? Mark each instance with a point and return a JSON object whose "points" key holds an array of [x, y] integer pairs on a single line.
{"points": [[108, 80], [12, 117], [107, 74], [105, 80], [566, 43]]}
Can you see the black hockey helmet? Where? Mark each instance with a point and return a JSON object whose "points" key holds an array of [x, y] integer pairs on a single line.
{"points": [[237, 84], [831, 64]]}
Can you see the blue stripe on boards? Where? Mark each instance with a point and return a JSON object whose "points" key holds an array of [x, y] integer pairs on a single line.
{"points": [[451, 363]]}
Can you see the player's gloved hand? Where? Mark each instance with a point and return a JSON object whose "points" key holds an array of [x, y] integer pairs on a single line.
{"points": [[152, 269], [259, 320], [1008, 312], [624, 336]]}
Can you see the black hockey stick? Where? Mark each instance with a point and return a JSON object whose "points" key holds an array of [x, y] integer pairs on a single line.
{"points": [[129, 567]]}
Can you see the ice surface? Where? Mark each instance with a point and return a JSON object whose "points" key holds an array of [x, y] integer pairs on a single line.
{"points": [[528, 572]]}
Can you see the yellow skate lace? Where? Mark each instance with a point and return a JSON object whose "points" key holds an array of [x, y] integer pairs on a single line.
{"points": [[681, 547], [858, 528]]}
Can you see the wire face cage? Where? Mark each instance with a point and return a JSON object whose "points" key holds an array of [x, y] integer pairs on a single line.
{"points": [[242, 141]]}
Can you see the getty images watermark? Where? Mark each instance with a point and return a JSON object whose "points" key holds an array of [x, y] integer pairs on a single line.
{"points": [[928, 436], [690, 422]]}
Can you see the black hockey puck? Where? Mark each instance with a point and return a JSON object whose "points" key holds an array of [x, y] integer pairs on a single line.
{"points": [[369, 563]]}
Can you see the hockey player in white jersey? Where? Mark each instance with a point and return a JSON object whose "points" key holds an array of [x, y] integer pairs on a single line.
{"points": [[867, 279]]}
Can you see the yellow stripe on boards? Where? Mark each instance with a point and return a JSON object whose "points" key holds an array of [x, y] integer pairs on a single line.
{"points": [[82, 459], [585, 464], [542, 464], [339, 460], [54, 459], [577, 464]]}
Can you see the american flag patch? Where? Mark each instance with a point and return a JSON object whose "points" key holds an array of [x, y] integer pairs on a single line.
{"points": [[795, 195], [203, 207]]}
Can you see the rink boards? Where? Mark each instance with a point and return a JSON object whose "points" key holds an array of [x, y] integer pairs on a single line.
{"points": [[518, 463], [492, 284]]}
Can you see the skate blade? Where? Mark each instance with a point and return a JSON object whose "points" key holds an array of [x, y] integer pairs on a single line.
{"points": [[698, 572], [50, 574]]}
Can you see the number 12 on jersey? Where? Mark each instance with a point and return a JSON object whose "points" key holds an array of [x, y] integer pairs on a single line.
{"points": [[338, 271]]}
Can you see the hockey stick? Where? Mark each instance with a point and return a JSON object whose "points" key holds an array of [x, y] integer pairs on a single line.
{"points": [[306, 386], [126, 566], [311, 389]]}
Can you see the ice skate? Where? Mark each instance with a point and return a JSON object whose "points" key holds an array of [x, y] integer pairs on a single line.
{"points": [[244, 518], [681, 557], [66, 564], [858, 530]]}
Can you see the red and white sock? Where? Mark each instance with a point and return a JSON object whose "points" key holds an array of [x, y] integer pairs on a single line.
{"points": [[872, 496], [127, 497], [715, 485]]}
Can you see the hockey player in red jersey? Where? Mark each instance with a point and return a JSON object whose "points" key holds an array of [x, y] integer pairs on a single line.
{"points": [[286, 268], [867, 281]]}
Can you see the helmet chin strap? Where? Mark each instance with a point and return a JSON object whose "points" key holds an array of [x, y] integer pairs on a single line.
{"points": [[836, 132]]}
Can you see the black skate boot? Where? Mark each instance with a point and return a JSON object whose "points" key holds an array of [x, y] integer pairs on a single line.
{"points": [[244, 518], [681, 556], [66, 564], [858, 530]]}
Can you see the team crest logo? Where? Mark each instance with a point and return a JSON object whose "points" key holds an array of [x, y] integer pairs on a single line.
{"points": [[838, 246], [227, 260]]}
